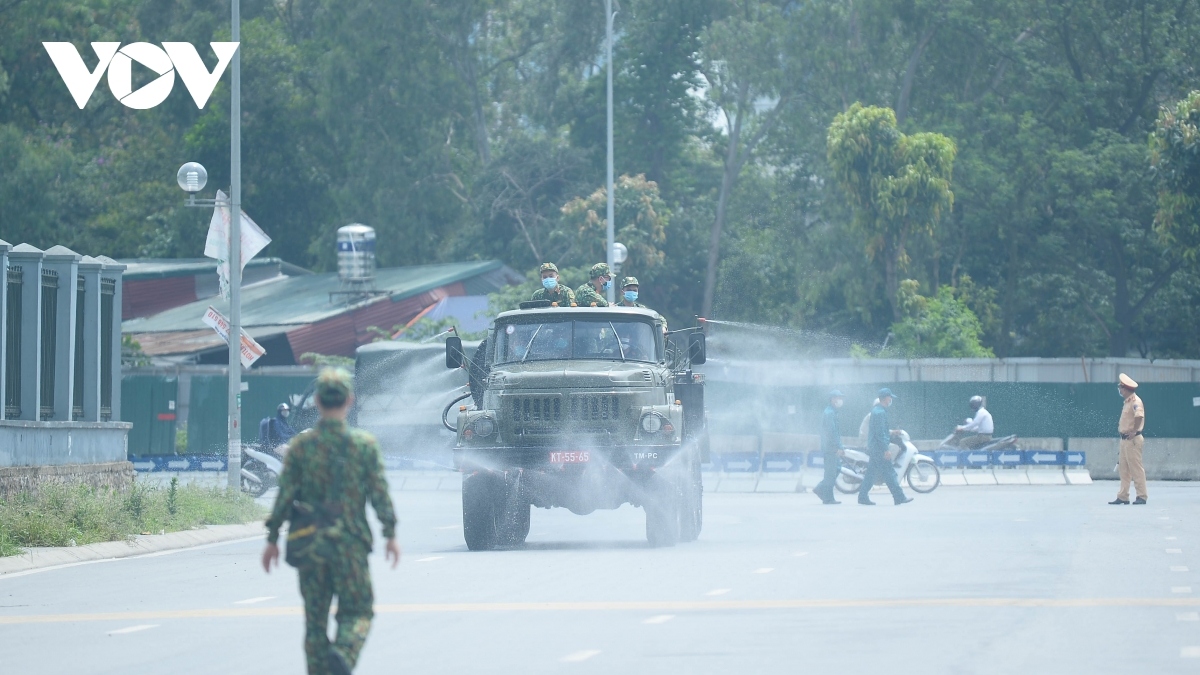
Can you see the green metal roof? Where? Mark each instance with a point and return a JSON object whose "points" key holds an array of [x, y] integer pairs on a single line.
{"points": [[138, 269], [291, 301]]}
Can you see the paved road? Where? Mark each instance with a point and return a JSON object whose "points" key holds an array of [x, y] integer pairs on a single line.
{"points": [[966, 580]]}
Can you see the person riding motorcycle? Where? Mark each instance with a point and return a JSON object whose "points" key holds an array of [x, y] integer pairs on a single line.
{"points": [[274, 432], [976, 431]]}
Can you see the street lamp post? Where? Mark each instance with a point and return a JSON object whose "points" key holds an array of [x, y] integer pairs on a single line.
{"points": [[610, 232]]}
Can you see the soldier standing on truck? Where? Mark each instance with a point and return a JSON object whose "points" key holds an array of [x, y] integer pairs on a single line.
{"points": [[592, 294], [629, 293], [551, 289]]}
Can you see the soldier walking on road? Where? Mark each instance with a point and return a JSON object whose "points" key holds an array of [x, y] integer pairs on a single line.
{"points": [[332, 470], [831, 448], [551, 289], [592, 294], [880, 464], [1133, 420]]}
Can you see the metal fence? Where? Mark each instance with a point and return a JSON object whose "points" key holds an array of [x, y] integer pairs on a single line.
{"points": [[108, 289], [49, 342], [12, 355], [78, 376]]}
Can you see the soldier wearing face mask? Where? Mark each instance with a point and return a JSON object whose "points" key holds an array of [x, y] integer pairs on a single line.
{"points": [[594, 292], [629, 293], [551, 289]]}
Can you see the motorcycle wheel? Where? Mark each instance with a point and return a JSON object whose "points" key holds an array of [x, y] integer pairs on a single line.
{"points": [[253, 489], [845, 486], [923, 476]]}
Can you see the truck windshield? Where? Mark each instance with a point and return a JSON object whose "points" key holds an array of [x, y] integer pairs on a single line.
{"points": [[592, 339]]}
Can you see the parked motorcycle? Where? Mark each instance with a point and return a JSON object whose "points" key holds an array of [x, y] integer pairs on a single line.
{"points": [[918, 470], [260, 470]]}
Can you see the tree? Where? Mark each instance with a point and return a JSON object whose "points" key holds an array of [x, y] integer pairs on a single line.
{"points": [[942, 326], [1175, 157], [899, 184], [640, 220]]}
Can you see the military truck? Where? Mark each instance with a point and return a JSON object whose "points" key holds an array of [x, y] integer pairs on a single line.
{"points": [[581, 408]]}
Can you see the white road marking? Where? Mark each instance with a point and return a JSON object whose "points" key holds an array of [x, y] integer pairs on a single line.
{"points": [[132, 629], [1189, 653], [449, 527], [1164, 517], [251, 601], [1171, 538], [1174, 550], [718, 591], [800, 554], [1181, 589], [661, 618], [764, 570], [1179, 568], [1187, 616], [1021, 520], [580, 656], [430, 558]]}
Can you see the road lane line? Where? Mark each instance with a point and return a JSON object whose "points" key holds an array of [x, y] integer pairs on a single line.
{"points": [[1171, 538], [661, 618], [1174, 550], [1189, 653], [132, 629], [1187, 616], [764, 570], [251, 601], [449, 527], [430, 558], [718, 591], [799, 554], [663, 606], [1179, 568], [580, 656], [1181, 589]]}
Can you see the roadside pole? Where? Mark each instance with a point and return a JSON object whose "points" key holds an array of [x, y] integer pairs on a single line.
{"points": [[608, 18], [235, 258]]}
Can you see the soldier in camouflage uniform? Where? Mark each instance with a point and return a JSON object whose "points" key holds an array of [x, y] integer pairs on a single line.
{"points": [[552, 290], [592, 294], [307, 477], [629, 293]]}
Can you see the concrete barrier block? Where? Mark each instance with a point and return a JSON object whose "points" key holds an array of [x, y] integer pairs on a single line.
{"points": [[1101, 455], [1011, 476], [953, 477], [1077, 477], [1049, 475], [1172, 458], [1053, 444], [979, 477]]}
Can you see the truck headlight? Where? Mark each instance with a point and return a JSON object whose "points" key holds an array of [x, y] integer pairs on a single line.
{"points": [[484, 427], [652, 423]]}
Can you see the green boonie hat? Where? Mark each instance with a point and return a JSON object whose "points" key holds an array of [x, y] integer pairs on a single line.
{"points": [[334, 386], [630, 281], [548, 267], [599, 270]]}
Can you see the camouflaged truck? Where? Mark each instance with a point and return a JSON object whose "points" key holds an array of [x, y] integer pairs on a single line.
{"points": [[583, 408]]}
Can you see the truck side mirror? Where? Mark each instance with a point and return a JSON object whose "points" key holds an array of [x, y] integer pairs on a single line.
{"points": [[697, 351], [454, 352]]}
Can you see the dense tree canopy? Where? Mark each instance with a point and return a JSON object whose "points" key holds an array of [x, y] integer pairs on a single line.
{"points": [[475, 129]]}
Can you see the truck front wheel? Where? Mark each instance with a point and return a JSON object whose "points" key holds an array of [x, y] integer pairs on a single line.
{"points": [[479, 511], [662, 512]]}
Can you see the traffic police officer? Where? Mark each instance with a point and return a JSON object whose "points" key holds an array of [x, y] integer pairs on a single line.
{"points": [[592, 294], [880, 463], [831, 448], [307, 477], [552, 290], [1129, 462]]}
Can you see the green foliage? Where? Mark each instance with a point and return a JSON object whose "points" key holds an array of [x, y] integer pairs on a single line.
{"points": [[941, 326], [320, 361], [1175, 157], [181, 437], [131, 352], [69, 514]]}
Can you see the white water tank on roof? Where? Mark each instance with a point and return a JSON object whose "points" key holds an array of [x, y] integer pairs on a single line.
{"points": [[356, 252]]}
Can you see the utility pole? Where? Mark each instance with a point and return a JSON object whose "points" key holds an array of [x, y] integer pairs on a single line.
{"points": [[235, 259], [608, 16]]}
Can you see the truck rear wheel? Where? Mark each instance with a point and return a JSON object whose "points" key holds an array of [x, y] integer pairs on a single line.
{"points": [[662, 513], [479, 511]]}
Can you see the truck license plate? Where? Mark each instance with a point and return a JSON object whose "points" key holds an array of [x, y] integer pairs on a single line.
{"points": [[570, 457]]}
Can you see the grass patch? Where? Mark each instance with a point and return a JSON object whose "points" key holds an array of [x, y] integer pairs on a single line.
{"points": [[63, 515]]}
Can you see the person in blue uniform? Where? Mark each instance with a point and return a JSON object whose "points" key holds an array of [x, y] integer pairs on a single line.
{"points": [[880, 464], [831, 448]]}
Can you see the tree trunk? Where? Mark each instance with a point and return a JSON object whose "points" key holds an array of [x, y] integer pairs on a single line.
{"points": [[910, 74], [1118, 341], [733, 166], [891, 280]]}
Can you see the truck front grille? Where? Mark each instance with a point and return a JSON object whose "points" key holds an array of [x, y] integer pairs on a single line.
{"points": [[535, 409], [594, 407]]}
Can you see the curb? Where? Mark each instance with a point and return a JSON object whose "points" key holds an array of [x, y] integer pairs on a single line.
{"points": [[59, 556]]}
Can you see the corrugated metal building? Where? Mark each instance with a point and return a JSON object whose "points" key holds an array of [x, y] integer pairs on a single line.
{"points": [[291, 315]]}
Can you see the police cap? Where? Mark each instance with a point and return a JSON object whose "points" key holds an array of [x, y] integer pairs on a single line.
{"points": [[1127, 382], [548, 267], [599, 270], [334, 386]]}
